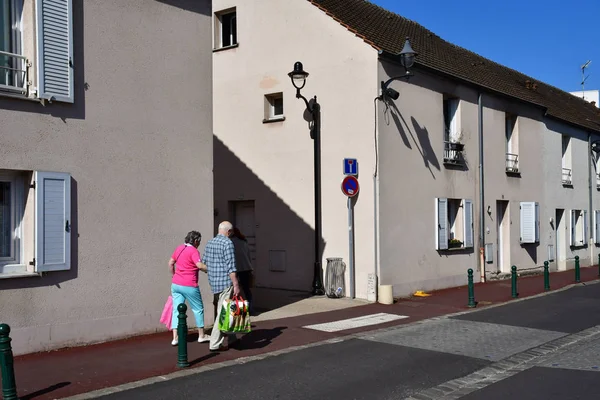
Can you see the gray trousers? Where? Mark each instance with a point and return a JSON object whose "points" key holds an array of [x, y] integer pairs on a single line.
{"points": [[217, 337]]}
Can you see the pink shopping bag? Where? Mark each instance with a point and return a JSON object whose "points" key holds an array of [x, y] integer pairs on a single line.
{"points": [[167, 313]]}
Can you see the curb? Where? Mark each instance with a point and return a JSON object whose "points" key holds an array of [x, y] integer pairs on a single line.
{"points": [[243, 360]]}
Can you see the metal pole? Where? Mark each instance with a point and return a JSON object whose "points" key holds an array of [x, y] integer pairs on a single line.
{"points": [[317, 274], [591, 204], [546, 276], [577, 270], [481, 190], [351, 245], [182, 330], [9, 385], [513, 273], [471, 289]]}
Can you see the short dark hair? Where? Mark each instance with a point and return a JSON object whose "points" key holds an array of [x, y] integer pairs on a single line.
{"points": [[193, 236]]}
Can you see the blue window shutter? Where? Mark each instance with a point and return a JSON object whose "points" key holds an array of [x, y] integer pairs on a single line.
{"points": [[52, 221], [54, 24]]}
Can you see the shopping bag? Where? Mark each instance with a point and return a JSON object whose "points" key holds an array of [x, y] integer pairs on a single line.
{"points": [[167, 313], [235, 316]]}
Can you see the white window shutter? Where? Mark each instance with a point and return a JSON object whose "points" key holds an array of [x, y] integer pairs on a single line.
{"points": [[537, 222], [52, 221], [572, 235], [597, 226], [54, 27], [468, 220], [528, 229], [441, 223], [584, 235]]}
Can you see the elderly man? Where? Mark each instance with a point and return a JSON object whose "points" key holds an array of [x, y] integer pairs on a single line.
{"points": [[219, 257]]}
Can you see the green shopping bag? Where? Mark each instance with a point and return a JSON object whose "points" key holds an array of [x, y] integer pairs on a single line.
{"points": [[235, 316]]}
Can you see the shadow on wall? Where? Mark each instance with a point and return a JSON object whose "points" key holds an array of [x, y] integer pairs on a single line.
{"points": [[421, 142], [54, 278], [532, 250], [203, 7], [60, 110], [278, 227]]}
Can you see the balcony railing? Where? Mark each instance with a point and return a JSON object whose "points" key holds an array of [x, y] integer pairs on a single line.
{"points": [[567, 177], [14, 73], [512, 162], [453, 152]]}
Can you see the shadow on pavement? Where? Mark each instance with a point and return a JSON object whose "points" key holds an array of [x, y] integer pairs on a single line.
{"points": [[257, 339], [202, 359], [45, 391]]}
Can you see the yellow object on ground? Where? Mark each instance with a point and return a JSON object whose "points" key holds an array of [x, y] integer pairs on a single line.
{"points": [[420, 293]]}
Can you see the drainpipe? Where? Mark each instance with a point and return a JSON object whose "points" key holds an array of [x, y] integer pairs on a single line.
{"points": [[481, 191], [591, 205]]}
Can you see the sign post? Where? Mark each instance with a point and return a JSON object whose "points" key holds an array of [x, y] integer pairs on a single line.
{"points": [[350, 188]]}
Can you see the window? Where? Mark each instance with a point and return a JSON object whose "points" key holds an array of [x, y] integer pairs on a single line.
{"points": [[274, 107], [567, 172], [49, 41], [454, 223], [578, 228], [452, 133], [512, 143], [225, 29], [34, 227], [530, 222]]}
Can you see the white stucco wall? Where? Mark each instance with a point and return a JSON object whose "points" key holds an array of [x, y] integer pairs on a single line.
{"points": [[272, 164], [138, 145]]}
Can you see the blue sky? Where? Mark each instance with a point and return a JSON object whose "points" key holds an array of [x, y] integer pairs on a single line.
{"points": [[547, 39]]}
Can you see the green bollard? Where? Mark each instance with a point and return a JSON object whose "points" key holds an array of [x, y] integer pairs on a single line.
{"points": [[182, 330], [513, 276], [546, 276], [577, 271], [472, 302], [9, 385]]}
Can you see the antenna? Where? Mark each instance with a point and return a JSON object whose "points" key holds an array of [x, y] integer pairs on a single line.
{"points": [[584, 78]]}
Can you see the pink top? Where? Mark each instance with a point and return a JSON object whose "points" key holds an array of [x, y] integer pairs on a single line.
{"points": [[186, 273]]}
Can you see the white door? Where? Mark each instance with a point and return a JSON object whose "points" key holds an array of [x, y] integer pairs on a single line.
{"points": [[245, 221], [502, 230]]}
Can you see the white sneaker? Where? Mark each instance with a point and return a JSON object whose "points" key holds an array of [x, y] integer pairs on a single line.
{"points": [[203, 338], [174, 342]]}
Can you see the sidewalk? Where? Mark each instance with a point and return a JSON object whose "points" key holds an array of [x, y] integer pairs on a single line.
{"points": [[73, 371]]}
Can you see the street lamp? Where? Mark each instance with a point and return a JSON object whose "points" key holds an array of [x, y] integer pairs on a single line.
{"points": [[298, 77], [407, 60]]}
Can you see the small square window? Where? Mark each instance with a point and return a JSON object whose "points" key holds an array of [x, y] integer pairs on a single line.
{"points": [[225, 29], [274, 107]]}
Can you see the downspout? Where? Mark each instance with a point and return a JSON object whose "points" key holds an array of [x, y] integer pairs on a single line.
{"points": [[376, 210], [481, 191], [591, 205]]}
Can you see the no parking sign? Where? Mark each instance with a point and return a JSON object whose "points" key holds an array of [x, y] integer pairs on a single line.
{"points": [[350, 186]]}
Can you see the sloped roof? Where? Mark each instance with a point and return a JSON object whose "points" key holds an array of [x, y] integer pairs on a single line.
{"points": [[387, 31]]}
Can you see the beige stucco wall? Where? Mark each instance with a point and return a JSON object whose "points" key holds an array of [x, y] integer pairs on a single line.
{"points": [[138, 145], [412, 176], [272, 164]]}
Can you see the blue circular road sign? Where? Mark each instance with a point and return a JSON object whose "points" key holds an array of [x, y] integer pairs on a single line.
{"points": [[350, 186]]}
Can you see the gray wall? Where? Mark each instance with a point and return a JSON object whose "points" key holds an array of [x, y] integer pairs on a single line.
{"points": [[138, 145]]}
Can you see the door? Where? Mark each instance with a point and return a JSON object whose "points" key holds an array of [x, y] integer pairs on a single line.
{"points": [[243, 218], [561, 239], [503, 232]]}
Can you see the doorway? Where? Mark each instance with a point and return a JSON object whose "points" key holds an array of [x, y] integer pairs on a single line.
{"points": [[503, 235], [561, 239], [244, 219]]}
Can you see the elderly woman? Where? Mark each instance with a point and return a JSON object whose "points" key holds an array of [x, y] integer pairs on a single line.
{"points": [[243, 264], [184, 266]]}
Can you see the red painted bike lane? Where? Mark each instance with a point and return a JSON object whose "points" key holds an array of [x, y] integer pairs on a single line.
{"points": [[67, 372]]}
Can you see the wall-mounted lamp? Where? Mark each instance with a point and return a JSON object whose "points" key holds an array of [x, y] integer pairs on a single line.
{"points": [[407, 60]]}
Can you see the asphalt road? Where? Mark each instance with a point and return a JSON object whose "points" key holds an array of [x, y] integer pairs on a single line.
{"points": [[441, 359]]}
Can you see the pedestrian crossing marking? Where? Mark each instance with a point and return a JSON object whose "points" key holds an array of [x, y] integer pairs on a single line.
{"points": [[358, 322]]}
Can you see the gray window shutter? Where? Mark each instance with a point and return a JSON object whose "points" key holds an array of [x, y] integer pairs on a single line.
{"points": [[597, 226], [537, 222], [528, 228], [573, 223], [54, 27], [468, 220], [52, 221], [584, 235], [441, 223]]}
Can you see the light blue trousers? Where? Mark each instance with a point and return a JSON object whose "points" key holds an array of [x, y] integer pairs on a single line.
{"points": [[194, 298]]}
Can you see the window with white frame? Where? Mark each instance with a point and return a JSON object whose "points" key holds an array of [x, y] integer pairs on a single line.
{"points": [[49, 43], [226, 28], [452, 120], [512, 143], [454, 223], [35, 222], [567, 169], [577, 238], [530, 222], [274, 107]]}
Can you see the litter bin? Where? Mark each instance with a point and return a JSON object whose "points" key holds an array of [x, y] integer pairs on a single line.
{"points": [[335, 286]]}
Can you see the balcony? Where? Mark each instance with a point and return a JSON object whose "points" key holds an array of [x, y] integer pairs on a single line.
{"points": [[453, 153], [14, 73], [512, 163], [567, 176]]}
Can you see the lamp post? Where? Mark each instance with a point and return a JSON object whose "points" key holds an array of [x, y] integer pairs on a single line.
{"points": [[298, 77], [407, 60]]}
